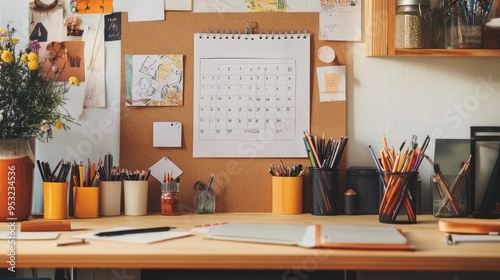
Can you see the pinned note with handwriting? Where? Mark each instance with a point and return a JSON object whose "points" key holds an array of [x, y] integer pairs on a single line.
{"points": [[340, 20], [167, 134]]}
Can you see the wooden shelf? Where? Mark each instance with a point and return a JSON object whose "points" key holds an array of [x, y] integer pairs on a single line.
{"points": [[448, 52], [380, 30]]}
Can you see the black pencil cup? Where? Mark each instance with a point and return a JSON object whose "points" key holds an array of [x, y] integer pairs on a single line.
{"points": [[399, 200], [324, 182]]}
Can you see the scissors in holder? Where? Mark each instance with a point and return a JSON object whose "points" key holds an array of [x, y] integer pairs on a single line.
{"points": [[199, 186]]}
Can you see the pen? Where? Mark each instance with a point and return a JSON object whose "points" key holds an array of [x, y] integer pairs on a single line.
{"points": [[133, 231], [70, 243], [210, 182]]}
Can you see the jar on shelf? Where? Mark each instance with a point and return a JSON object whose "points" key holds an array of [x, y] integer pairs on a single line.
{"points": [[463, 29], [413, 25]]}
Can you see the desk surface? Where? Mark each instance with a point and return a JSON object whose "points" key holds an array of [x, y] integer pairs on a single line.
{"points": [[195, 252]]}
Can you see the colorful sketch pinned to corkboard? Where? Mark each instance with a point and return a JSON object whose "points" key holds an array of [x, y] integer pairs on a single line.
{"points": [[154, 80]]}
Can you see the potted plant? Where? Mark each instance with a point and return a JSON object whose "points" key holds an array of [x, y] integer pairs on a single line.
{"points": [[31, 104]]}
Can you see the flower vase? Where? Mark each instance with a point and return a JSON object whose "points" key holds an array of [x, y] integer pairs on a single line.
{"points": [[16, 178]]}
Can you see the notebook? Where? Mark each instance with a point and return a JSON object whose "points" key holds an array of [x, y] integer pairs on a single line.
{"points": [[316, 236]]}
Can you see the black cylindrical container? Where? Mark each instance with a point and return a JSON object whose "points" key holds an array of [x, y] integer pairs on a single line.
{"points": [[365, 181]]}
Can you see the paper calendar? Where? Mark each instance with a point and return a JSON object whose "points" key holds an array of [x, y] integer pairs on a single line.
{"points": [[251, 95]]}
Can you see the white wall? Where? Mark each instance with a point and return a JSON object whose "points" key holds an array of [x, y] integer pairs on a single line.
{"points": [[402, 96]]}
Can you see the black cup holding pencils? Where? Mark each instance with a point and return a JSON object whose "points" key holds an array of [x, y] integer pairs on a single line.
{"points": [[398, 205], [324, 184]]}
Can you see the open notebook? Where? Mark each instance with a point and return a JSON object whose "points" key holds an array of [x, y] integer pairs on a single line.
{"points": [[316, 236]]}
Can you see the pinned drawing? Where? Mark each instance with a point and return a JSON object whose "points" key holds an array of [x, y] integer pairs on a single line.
{"points": [[266, 6], [95, 69], [331, 82], [44, 21], [154, 80], [62, 60]]}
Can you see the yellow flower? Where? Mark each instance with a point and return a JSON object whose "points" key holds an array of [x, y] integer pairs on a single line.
{"points": [[7, 56], [15, 40], [2, 30], [74, 81], [33, 65], [33, 56], [5, 38], [24, 58], [58, 125]]}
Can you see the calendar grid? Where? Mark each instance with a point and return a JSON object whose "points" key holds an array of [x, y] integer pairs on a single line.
{"points": [[239, 98], [251, 95]]}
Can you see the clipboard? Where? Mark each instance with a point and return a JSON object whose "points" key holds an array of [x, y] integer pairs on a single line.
{"points": [[315, 236]]}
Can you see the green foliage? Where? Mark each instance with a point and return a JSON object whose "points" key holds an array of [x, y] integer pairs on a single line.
{"points": [[31, 103]]}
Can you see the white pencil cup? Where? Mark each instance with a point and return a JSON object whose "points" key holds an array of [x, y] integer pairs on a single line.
{"points": [[110, 197], [135, 197]]}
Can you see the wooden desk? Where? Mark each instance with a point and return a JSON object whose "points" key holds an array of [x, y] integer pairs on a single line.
{"points": [[195, 252]]}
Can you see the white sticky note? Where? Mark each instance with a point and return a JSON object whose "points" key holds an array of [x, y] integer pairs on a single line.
{"points": [[165, 165], [167, 134], [139, 10]]}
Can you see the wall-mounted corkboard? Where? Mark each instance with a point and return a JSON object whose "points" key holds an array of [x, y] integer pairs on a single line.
{"points": [[241, 185]]}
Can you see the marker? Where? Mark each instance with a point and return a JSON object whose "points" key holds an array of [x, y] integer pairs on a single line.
{"points": [[133, 231]]}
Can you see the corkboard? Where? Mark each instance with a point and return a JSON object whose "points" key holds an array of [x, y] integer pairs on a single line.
{"points": [[241, 185]]}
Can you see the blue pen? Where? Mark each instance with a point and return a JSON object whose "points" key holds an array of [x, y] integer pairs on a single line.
{"points": [[209, 182], [487, 9]]}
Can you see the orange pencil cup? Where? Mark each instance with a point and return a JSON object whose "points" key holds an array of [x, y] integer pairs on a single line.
{"points": [[55, 200], [86, 202], [287, 195]]}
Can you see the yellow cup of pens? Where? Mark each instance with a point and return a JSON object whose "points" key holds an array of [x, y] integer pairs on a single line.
{"points": [[55, 200], [86, 202], [287, 193]]}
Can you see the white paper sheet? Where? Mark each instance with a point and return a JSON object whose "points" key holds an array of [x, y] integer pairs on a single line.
{"points": [[139, 238], [165, 165], [178, 5], [95, 69], [341, 22], [167, 134], [151, 10]]}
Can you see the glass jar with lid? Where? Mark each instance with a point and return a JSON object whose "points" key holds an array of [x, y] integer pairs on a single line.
{"points": [[413, 24]]}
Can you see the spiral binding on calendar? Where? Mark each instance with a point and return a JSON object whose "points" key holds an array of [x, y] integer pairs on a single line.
{"points": [[249, 34]]}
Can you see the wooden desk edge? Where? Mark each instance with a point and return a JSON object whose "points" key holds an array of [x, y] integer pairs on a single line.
{"points": [[431, 254]]}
